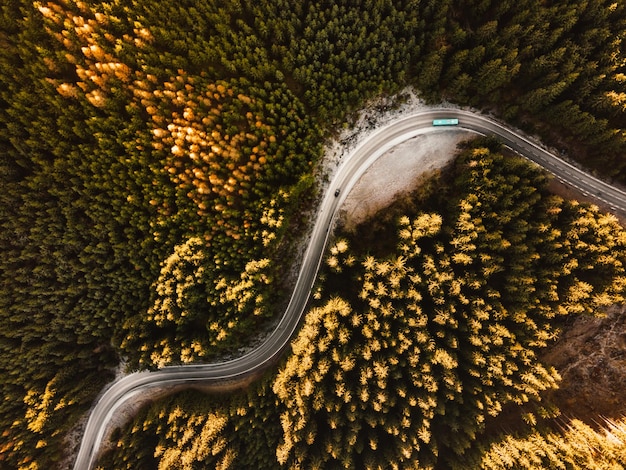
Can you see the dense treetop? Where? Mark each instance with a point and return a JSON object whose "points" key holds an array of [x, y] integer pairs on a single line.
{"points": [[409, 352], [156, 159]]}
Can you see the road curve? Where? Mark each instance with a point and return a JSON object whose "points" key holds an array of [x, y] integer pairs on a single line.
{"points": [[351, 169]]}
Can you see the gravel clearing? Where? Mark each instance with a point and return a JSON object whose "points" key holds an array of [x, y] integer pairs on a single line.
{"points": [[397, 172]]}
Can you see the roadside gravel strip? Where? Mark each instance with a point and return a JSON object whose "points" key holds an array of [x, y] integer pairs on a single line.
{"points": [[242, 369]]}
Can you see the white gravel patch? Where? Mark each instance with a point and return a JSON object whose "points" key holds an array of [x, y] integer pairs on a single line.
{"points": [[397, 172]]}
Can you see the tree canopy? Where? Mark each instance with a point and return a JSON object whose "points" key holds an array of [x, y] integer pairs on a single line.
{"points": [[158, 158], [407, 355]]}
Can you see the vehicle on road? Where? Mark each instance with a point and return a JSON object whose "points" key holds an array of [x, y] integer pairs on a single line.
{"points": [[336, 193], [445, 122]]}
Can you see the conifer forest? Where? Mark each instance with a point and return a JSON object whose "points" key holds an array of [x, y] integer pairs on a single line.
{"points": [[160, 160]]}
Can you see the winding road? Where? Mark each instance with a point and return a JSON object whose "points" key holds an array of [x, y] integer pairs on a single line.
{"points": [[223, 374]]}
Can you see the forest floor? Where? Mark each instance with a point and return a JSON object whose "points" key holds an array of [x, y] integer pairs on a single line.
{"points": [[590, 356]]}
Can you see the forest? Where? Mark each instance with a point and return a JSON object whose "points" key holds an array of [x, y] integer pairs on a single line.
{"points": [[159, 159], [415, 343]]}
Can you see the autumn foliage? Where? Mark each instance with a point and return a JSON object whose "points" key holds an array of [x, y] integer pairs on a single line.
{"points": [[404, 364], [158, 160]]}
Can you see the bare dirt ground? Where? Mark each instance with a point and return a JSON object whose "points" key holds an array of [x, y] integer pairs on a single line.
{"points": [[397, 172], [591, 358]]}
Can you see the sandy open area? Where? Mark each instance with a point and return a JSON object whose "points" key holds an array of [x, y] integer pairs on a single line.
{"points": [[398, 172]]}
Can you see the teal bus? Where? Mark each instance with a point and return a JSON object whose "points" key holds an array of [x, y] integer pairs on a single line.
{"points": [[445, 122]]}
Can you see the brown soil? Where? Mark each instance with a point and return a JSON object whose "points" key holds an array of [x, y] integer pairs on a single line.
{"points": [[590, 356], [591, 359]]}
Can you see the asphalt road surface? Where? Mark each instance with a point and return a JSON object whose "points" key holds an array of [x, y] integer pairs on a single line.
{"points": [[218, 375]]}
